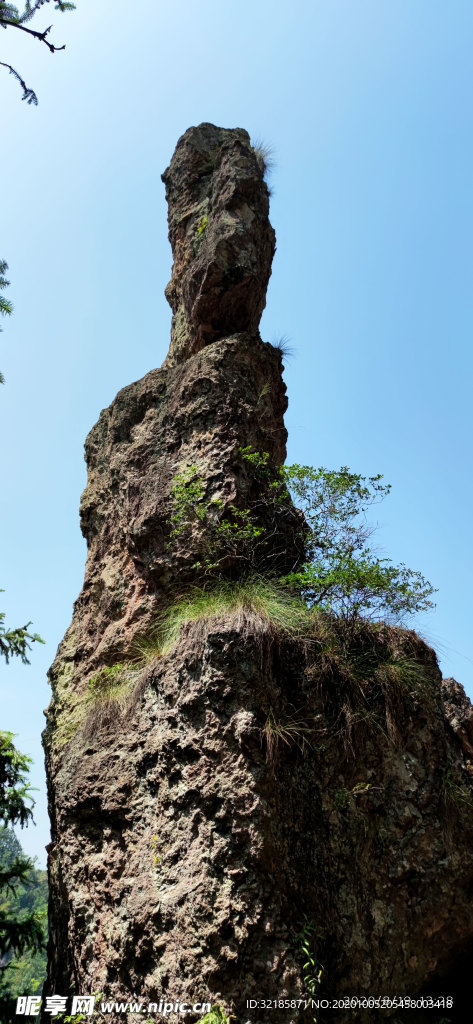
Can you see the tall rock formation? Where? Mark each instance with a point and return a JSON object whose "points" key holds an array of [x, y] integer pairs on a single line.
{"points": [[248, 793]]}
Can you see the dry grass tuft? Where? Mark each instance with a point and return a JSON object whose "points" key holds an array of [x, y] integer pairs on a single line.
{"points": [[264, 155], [369, 677], [283, 345], [292, 731]]}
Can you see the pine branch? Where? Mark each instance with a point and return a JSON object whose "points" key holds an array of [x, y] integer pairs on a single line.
{"points": [[10, 17], [8, 12], [14, 643], [28, 94], [6, 307]]}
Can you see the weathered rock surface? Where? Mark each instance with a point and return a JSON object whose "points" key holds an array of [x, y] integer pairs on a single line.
{"points": [[196, 414], [243, 787], [459, 712], [222, 241]]}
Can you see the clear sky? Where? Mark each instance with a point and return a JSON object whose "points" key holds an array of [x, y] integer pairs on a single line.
{"points": [[367, 106]]}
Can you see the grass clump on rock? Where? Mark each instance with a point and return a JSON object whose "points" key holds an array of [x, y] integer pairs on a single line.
{"points": [[108, 681], [108, 696], [257, 604]]}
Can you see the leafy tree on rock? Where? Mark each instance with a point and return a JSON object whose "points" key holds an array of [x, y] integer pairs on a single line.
{"points": [[342, 574]]}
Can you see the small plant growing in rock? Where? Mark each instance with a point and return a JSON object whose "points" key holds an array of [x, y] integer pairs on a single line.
{"points": [[74, 1019], [451, 788], [361, 787], [216, 1015], [258, 460], [224, 531], [454, 792], [340, 799], [312, 969], [107, 679], [198, 237], [157, 857], [342, 796], [265, 390], [188, 501]]}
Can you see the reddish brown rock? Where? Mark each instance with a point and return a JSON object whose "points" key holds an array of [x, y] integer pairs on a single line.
{"points": [[221, 238], [459, 713], [245, 786]]}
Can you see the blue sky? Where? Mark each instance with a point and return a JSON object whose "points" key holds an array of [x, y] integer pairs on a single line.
{"points": [[367, 106]]}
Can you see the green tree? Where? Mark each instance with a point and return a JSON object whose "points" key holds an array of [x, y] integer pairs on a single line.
{"points": [[21, 927], [11, 17], [26, 971], [342, 574]]}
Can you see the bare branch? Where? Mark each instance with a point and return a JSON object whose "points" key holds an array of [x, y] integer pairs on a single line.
{"points": [[31, 32]]}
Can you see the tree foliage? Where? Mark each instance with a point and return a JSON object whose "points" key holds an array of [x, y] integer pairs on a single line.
{"points": [[20, 932], [226, 532], [6, 308], [26, 970], [342, 574], [12, 17], [16, 642], [16, 802], [22, 927]]}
